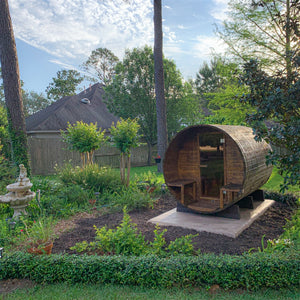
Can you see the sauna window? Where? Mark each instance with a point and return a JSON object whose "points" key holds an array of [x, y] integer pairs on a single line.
{"points": [[211, 148]]}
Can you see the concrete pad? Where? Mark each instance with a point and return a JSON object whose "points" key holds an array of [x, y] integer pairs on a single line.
{"points": [[213, 224]]}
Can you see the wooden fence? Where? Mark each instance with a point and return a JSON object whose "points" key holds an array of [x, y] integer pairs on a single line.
{"points": [[48, 151]]}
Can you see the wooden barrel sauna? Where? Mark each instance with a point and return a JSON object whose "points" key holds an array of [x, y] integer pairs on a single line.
{"points": [[208, 168]]}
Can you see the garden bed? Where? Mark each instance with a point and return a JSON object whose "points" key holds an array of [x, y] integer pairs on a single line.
{"points": [[269, 225]]}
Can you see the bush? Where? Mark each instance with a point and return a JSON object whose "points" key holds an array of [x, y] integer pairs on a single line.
{"points": [[287, 198], [126, 240], [256, 271], [91, 177], [131, 197]]}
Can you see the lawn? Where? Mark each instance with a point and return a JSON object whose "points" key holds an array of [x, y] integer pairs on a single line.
{"points": [[65, 291]]}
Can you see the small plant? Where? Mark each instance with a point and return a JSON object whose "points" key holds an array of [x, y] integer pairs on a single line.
{"points": [[158, 245], [39, 233], [125, 240], [182, 245]]}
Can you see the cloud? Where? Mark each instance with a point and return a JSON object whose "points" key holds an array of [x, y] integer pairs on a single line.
{"points": [[220, 10], [71, 29], [206, 45]]}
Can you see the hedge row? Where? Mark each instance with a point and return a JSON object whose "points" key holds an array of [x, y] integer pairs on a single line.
{"points": [[287, 198], [247, 271]]}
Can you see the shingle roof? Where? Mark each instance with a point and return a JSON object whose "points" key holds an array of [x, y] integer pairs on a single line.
{"points": [[70, 109]]}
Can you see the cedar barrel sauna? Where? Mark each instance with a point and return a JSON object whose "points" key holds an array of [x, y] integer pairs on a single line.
{"points": [[208, 168]]}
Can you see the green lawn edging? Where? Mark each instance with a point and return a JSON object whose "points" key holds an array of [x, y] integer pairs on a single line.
{"points": [[251, 271]]}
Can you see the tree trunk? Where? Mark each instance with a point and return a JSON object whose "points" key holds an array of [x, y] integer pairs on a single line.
{"points": [[161, 111], [122, 168], [12, 88], [128, 170]]}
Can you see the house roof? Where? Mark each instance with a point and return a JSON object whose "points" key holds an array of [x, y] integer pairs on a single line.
{"points": [[71, 109]]}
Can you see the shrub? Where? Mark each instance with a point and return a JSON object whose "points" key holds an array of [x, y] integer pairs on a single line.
{"points": [[260, 270], [131, 197], [287, 198], [84, 138], [126, 240], [91, 177]]}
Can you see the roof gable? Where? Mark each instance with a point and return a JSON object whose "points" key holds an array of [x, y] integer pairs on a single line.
{"points": [[71, 109]]}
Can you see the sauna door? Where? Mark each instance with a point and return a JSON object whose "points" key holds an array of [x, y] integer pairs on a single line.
{"points": [[211, 163]]}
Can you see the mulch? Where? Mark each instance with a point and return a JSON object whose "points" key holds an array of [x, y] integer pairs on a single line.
{"points": [[268, 226]]}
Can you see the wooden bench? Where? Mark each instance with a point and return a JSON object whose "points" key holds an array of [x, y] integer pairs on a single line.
{"points": [[181, 183], [229, 190]]}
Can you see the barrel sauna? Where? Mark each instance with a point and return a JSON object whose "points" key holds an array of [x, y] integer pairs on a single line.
{"points": [[208, 168]]}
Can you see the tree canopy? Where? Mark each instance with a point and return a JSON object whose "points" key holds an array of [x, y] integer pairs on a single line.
{"points": [[131, 93], [100, 65], [263, 29], [64, 84], [84, 138]]}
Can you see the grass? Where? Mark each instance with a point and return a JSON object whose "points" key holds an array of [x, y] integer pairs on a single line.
{"points": [[65, 291], [274, 182]]}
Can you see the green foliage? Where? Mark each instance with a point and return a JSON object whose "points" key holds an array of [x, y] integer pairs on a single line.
{"points": [[263, 30], [131, 197], [131, 94], [220, 94], [33, 102], [126, 240], [276, 100], [4, 135], [64, 84], [19, 145], [91, 177], [287, 198], [182, 245], [157, 247], [39, 232], [84, 138], [255, 271], [100, 65], [8, 172], [124, 135]]}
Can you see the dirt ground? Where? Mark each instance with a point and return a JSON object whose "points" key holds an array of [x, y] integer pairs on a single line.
{"points": [[80, 228], [270, 224]]}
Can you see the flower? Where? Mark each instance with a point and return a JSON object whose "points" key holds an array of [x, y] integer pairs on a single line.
{"points": [[158, 156]]}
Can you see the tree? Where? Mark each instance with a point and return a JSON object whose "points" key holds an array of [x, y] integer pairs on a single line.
{"points": [[263, 29], [131, 94], [34, 102], [12, 88], [84, 138], [124, 135], [162, 135], [224, 96], [207, 81], [277, 116], [100, 65], [64, 84]]}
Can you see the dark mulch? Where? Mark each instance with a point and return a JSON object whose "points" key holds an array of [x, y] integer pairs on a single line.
{"points": [[269, 225]]}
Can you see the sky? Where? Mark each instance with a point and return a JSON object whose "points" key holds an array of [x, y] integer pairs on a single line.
{"points": [[61, 34]]}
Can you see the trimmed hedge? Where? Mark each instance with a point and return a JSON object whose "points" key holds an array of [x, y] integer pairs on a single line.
{"points": [[251, 271]]}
